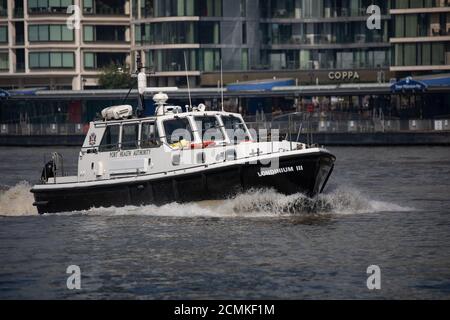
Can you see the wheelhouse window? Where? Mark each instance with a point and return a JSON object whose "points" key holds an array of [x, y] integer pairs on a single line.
{"points": [[210, 128], [149, 135], [177, 130], [235, 129], [130, 134], [110, 140]]}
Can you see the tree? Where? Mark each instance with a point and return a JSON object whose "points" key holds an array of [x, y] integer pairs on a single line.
{"points": [[116, 77]]}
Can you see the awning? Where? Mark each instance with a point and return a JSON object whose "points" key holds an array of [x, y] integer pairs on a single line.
{"points": [[260, 85], [4, 94], [409, 85], [438, 81], [26, 92]]}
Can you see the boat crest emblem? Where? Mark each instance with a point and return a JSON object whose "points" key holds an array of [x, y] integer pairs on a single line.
{"points": [[92, 138]]}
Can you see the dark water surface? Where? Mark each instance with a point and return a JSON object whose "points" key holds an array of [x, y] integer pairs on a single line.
{"points": [[384, 206]]}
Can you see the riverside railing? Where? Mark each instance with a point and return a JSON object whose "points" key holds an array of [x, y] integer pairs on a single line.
{"points": [[294, 125], [32, 129]]}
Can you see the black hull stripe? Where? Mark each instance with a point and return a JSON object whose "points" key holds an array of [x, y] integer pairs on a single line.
{"points": [[296, 174]]}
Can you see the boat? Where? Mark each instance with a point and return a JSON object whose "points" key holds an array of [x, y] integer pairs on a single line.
{"points": [[180, 155]]}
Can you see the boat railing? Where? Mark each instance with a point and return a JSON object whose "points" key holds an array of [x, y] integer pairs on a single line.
{"points": [[53, 168]]}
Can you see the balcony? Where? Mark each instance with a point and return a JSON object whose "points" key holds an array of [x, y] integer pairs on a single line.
{"points": [[105, 8], [18, 13], [20, 67], [3, 13], [440, 32], [105, 34]]}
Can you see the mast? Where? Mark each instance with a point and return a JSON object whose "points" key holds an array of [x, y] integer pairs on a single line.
{"points": [[187, 80], [221, 81], [142, 85]]}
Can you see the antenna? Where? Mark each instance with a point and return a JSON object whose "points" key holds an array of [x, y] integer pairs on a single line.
{"points": [[142, 84], [187, 79], [221, 79], [138, 69]]}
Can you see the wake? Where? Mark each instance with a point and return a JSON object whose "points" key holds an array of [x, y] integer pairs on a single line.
{"points": [[18, 201]]}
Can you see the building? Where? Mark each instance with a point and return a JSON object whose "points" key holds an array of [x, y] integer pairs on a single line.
{"points": [[421, 37], [37, 49], [312, 41]]}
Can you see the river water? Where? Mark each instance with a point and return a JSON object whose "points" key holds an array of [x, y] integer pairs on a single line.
{"points": [[388, 207]]}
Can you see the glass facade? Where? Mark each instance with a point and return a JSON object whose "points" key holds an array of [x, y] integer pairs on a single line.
{"points": [[422, 25], [173, 60], [180, 8], [50, 33], [322, 33], [203, 32], [279, 9], [412, 4], [3, 8], [198, 26], [48, 6], [4, 61], [325, 59], [104, 33], [418, 37], [98, 60], [3, 34], [265, 35], [422, 54], [104, 7], [46, 60]]}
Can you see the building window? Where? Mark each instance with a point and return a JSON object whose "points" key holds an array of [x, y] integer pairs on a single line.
{"points": [[4, 61], [48, 60], [3, 34], [50, 33], [420, 54], [49, 6], [3, 8], [319, 9], [180, 8], [173, 60], [178, 32], [245, 59], [104, 7], [209, 33], [104, 33], [243, 8], [98, 60]]}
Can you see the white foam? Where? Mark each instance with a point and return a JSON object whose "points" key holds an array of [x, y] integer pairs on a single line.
{"points": [[346, 201], [17, 201], [261, 203]]}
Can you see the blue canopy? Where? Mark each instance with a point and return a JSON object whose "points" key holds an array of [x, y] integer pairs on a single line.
{"points": [[26, 92], [409, 84], [442, 81], [4, 94], [260, 85]]}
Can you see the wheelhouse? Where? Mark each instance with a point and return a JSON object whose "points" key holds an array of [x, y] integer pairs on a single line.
{"points": [[176, 131]]}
